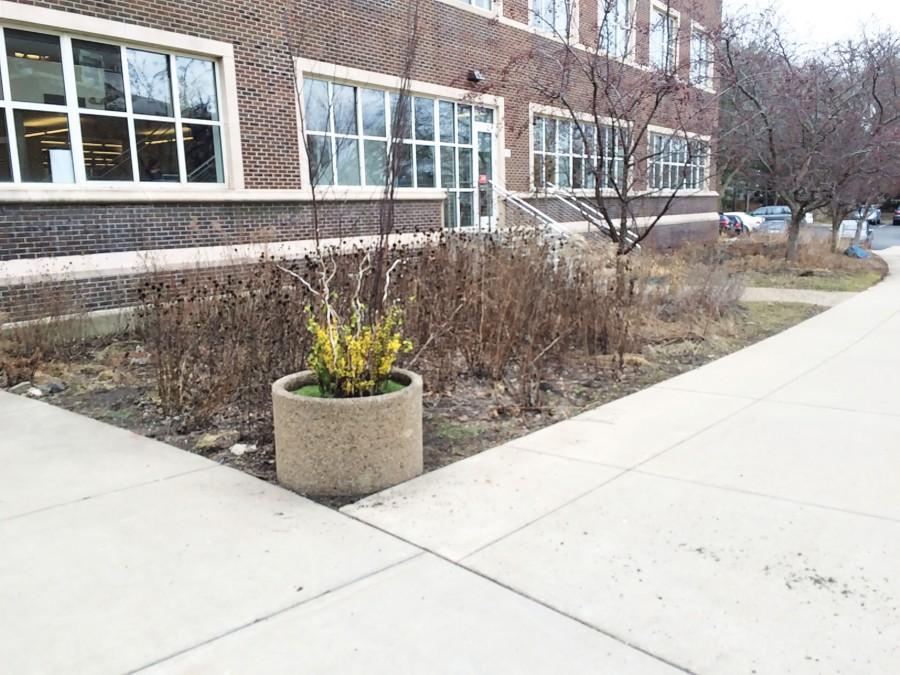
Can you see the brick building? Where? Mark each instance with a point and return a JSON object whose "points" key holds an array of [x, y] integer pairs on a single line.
{"points": [[182, 131]]}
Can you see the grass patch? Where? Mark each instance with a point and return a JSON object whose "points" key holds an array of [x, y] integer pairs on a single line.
{"points": [[452, 431], [818, 281], [313, 391], [760, 320]]}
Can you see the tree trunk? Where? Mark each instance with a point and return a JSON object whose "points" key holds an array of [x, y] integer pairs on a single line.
{"points": [[860, 224], [793, 247], [835, 233]]}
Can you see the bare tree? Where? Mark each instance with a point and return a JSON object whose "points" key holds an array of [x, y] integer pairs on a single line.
{"points": [[630, 172], [331, 108], [815, 126]]}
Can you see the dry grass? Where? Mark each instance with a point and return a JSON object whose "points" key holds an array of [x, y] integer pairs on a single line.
{"points": [[817, 268], [512, 310], [25, 345], [509, 309]]}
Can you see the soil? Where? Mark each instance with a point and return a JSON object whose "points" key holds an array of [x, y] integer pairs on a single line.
{"points": [[115, 383]]}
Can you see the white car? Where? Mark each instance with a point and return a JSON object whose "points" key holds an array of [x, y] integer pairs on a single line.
{"points": [[752, 223], [848, 229]]}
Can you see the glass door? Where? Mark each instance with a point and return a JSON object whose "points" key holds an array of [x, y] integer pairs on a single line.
{"points": [[485, 142], [466, 146]]}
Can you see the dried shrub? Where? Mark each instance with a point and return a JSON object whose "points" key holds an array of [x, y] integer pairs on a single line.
{"points": [[512, 308], [217, 338], [60, 334]]}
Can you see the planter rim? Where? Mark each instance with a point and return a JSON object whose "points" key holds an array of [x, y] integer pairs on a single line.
{"points": [[280, 388]]}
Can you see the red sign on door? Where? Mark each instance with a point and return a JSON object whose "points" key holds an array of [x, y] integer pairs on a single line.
{"points": [[482, 179]]}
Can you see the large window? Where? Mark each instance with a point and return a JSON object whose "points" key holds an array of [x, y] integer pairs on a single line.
{"points": [[677, 163], [616, 23], [350, 130], [554, 16], [570, 155], [663, 39], [701, 59], [80, 111]]}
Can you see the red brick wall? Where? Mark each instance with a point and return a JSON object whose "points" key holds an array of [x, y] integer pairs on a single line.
{"points": [[374, 35], [34, 231]]}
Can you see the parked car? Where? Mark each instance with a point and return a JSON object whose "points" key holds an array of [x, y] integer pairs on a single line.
{"points": [[848, 229], [873, 215], [773, 227], [751, 223], [897, 216], [730, 225], [773, 214], [724, 224]]}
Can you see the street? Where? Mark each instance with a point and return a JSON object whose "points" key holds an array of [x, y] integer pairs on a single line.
{"points": [[885, 236]]}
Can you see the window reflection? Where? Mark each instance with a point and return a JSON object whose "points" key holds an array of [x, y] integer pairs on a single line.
{"points": [[197, 88], [315, 96], [98, 76], [151, 85], [35, 67]]}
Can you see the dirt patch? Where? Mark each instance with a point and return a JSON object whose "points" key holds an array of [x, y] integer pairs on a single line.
{"points": [[115, 383]]}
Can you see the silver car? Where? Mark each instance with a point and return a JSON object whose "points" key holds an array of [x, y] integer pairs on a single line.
{"points": [[775, 218]]}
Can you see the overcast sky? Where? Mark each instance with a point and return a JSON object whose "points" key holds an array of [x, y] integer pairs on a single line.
{"points": [[822, 21]]}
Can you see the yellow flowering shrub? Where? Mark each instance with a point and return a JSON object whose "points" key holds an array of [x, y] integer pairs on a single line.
{"points": [[352, 359]]}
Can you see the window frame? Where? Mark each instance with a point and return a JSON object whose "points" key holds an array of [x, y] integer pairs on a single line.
{"points": [[626, 29], [68, 27], [673, 41], [537, 22], [607, 124], [696, 174], [707, 82], [360, 137], [366, 79]]}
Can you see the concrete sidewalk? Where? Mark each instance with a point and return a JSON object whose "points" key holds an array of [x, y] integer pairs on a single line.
{"points": [[743, 517]]}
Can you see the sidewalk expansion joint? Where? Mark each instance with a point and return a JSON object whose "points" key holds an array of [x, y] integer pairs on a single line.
{"points": [[278, 612], [764, 495], [105, 493], [524, 595]]}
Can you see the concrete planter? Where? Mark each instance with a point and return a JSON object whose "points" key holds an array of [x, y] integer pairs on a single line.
{"points": [[347, 446]]}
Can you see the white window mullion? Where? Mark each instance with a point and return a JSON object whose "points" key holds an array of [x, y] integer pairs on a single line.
{"points": [[132, 136], [12, 146], [75, 145], [176, 108], [360, 136], [389, 140], [4, 69], [224, 141], [7, 112], [332, 136]]}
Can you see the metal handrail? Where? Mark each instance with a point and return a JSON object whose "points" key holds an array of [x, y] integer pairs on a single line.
{"points": [[531, 210], [593, 215]]}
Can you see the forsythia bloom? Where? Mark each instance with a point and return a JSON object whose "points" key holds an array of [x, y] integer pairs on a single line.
{"points": [[352, 360]]}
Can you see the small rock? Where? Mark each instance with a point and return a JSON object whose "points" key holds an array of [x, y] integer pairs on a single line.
{"points": [[21, 388], [221, 440], [34, 392], [50, 385], [240, 448]]}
